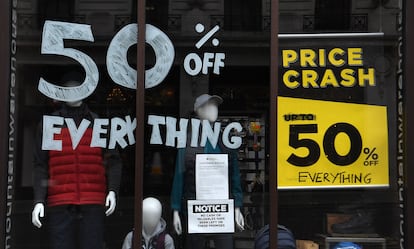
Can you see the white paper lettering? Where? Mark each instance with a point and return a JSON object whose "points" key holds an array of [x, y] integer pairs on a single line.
{"points": [[234, 142], [54, 34], [156, 121], [172, 133], [130, 127], [117, 61], [195, 130], [49, 131], [98, 130], [76, 133], [118, 132], [208, 133]]}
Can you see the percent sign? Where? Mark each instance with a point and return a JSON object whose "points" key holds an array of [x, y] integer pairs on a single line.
{"points": [[194, 63], [372, 156], [370, 153], [200, 29]]}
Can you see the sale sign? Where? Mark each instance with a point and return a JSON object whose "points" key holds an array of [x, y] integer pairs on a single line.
{"points": [[325, 144], [120, 131]]}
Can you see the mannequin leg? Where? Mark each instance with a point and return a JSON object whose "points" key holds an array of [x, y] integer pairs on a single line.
{"points": [[62, 226], [223, 241], [91, 227]]}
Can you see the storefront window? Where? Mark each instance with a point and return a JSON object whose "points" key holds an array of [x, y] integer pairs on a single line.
{"points": [[225, 126], [74, 126], [337, 123], [211, 110]]}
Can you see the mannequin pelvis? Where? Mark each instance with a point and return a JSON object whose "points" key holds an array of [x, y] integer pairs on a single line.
{"points": [[39, 209], [208, 112], [151, 215]]}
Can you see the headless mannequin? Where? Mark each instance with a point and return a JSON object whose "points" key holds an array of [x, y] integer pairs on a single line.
{"points": [[151, 215], [209, 112], [39, 209], [153, 227]]}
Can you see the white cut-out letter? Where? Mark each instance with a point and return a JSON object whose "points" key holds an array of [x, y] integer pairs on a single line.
{"points": [[156, 121], [195, 131], [98, 130], [118, 132], [76, 133], [117, 61], [54, 34], [131, 126], [234, 142], [49, 131], [172, 132], [208, 133]]}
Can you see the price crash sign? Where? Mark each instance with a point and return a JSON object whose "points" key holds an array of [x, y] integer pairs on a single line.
{"points": [[329, 135]]}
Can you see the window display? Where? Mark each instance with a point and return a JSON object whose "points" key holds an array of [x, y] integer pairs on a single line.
{"points": [[154, 231], [187, 179], [205, 124], [71, 176], [337, 129]]}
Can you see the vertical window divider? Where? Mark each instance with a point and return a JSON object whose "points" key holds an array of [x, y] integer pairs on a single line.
{"points": [[408, 74], [274, 68], [140, 115], [5, 60]]}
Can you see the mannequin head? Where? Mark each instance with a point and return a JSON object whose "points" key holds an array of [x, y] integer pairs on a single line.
{"points": [[73, 79], [151, 214], [206, 107], [78, 103]]}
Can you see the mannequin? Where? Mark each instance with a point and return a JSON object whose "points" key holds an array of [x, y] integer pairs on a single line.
{"points": [[206, 108], [153, 227], [76, 185], [39, 208]]}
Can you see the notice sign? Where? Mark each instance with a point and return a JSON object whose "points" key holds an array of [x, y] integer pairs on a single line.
{"points": [[212, 177], [326, 144], [211, 216]]}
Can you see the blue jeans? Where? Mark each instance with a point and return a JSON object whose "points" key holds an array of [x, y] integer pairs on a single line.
{"points": [[76, 226], [198, 241]]}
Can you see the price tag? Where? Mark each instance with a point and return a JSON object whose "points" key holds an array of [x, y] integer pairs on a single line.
{"points": [[324, 144]]}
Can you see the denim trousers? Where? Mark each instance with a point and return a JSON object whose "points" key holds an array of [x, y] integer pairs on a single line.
{"points": [[76, 226]]}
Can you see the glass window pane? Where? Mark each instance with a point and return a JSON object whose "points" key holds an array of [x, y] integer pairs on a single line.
{"points": [[337, 123], [220, 49], [74, 121]]}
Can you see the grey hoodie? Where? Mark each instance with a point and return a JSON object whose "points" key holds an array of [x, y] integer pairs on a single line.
{"points": [[148, 238]]}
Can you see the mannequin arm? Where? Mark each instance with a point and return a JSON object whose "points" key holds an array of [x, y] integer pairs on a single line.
{"points": [[177, 222], [238, 216], [37, 213], [110, 203]]}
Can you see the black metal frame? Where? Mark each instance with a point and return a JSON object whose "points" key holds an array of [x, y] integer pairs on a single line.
{"points": [[5, 19], [4, 108], [140, 115], [409, 105], [274, 68]]}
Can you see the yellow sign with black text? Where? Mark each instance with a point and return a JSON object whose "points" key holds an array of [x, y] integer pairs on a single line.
{"points": [[326, 144]]}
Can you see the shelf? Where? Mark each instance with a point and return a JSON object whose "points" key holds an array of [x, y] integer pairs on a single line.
{"points": [[370, 240]]}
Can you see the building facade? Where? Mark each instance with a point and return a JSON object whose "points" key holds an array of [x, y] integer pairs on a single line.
{"points": [[313, 119]]}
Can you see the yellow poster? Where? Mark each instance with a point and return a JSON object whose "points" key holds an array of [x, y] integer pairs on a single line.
{"points": [[326, 144]]}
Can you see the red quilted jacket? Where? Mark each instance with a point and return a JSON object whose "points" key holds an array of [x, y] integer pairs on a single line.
{"points": [[76, 176]]}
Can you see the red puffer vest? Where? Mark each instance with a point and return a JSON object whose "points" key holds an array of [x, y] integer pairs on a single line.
{"points": [[76, 176]]}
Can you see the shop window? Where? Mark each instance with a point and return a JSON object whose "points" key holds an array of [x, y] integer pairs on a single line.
{"points": [[336, 148]]}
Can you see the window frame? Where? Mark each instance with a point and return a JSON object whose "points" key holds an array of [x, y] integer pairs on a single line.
{"points": [[5, 64]]}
